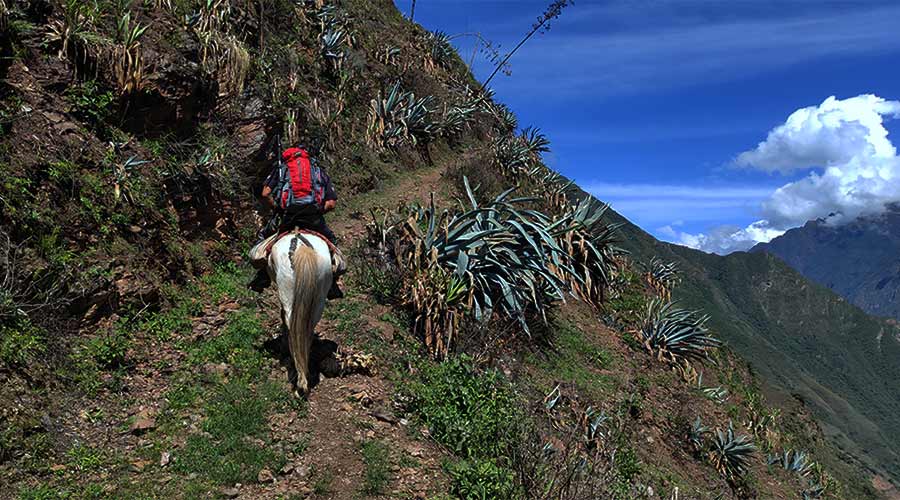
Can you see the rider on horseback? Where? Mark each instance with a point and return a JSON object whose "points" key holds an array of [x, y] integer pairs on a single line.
{"points": [[300, 193]]}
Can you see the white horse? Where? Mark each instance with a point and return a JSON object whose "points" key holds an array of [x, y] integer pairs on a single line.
{"points": [[300, 266]]}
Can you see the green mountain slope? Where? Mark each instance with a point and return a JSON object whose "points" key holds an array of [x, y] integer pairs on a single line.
{"points": [[801, 337]]}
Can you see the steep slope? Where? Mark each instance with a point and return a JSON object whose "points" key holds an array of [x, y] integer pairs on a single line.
{"points": [[859, 261], [803, 339]]}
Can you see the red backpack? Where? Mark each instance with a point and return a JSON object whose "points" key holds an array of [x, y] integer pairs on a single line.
{"points": [[301, 181]]}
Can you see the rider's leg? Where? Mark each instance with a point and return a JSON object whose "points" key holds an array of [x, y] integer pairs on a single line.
{"points": [[270, 228], [319, 225], [262, 280]]}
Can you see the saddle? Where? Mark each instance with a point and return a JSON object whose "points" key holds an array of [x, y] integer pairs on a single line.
{"points": [[259, 254]]}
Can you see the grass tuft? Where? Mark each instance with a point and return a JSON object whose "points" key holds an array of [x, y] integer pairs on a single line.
{"points": [[376, 458]]}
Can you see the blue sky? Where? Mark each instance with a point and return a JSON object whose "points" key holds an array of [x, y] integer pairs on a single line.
{"points": [[649, 102]]}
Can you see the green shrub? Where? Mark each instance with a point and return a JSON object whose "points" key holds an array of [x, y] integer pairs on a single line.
{"points": [[474, 414], [21, 342], [480, 479], [90, 103], [40, 492], [109, 351]]}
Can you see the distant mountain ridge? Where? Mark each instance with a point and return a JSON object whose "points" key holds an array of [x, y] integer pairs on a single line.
{"points": [[859, 261], [803, 339]]}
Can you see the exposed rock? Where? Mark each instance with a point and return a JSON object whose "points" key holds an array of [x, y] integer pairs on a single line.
{"points": [[384, 417], [302, 471], [165, 458], [142, 423], [139, 465], [232, 492], [220, 369], [265, 476]]}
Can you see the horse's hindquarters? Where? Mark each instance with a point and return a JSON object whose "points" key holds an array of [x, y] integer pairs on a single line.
{"points": [[303, 278]]}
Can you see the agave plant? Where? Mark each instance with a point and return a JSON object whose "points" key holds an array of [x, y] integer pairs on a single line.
{"points": [[128, 61], [592, 422], [390, 55], [553, 399], [440, 50], [4, 17], [73, 32], [662, 277], [730, 454], [456, 119], [793, 461], [383, 112], [535, 142], [676, 334], [761, 420], [212, 16], [416, 119], [334, 42], [718, 394], [814, 492], [330, 16], [696, 434], [555, 187], [495, 258], [515, 155], [590, 244], [399, 117], [224, 59], [506, 119]]}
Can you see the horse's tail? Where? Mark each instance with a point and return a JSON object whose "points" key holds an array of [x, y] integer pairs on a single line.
{"points": [[308, 293]]}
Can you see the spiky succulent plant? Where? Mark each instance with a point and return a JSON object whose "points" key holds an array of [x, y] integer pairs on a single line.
{"points": [[591, 246], [662, 277], [506, 118], [718, 394], [675, 334], [696, 434], [333, 44], [440, 51], [516, 155], [494, 258], [399, 117], [730, 453], [794, 461]]}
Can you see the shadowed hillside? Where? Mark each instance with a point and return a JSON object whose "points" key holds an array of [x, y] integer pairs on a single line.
{"points": [[859, 260]]}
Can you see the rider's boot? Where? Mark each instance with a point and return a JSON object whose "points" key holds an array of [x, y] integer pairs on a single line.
{"points": [[335, 291], [260, 282]]}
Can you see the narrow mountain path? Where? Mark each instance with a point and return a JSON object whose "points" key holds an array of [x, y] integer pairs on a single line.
{"points": [[349, 414]]}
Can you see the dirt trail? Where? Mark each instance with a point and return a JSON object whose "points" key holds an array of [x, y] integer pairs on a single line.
{"points": [[345, 412], [349, 222]]}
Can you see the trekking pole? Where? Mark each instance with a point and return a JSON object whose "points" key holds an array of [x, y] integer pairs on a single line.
{"points": [[278, 148]]}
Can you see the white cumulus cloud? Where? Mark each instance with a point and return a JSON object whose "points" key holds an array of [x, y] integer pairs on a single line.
{"points": [[854, 167], [833, 133]]}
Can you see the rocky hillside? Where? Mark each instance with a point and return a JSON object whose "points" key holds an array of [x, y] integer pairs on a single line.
{"points": [[860, 261], [135, 363]]}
